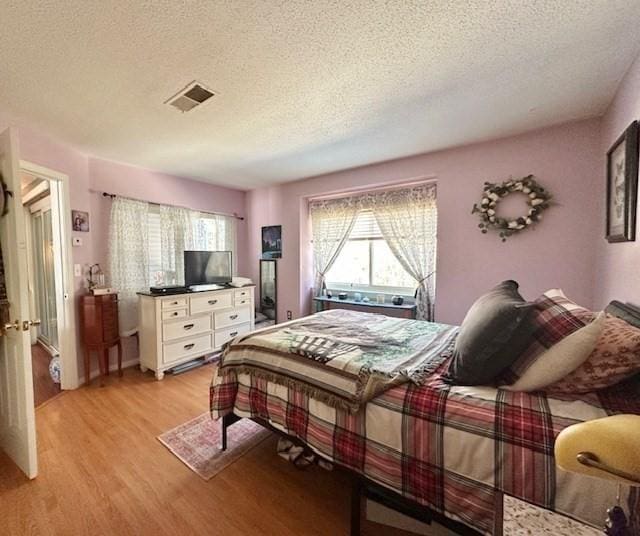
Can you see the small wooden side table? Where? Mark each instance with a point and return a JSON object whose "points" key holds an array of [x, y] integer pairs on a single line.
{"points": [[100, 331]]}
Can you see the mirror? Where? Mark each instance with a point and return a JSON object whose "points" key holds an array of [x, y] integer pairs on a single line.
{"points": [[268, 289]]}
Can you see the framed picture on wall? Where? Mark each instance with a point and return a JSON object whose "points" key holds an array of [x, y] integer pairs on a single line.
{"points": [[80, 221], [272, 242], [622, 186]]}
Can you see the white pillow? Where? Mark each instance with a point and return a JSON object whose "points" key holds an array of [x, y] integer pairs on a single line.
{"points": [[562, 358]]}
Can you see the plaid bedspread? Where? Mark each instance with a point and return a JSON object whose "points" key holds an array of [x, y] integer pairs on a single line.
{"points": [[453, 449]]}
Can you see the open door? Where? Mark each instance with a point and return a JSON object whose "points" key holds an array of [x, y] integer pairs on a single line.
{"points": [[17, 415]]}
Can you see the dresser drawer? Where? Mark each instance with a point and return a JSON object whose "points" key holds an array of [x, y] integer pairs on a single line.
{"points": [[195, 346], [230, 318], [171, 303], [109, 328], [242, 302], [226, 334], [240, 295], [178, 313], [185, 328], [110, 319], [210, 302]]}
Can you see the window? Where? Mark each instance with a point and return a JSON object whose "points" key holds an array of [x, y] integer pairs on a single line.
{"points": [[147, 244], [207, 232], [366, 261]]}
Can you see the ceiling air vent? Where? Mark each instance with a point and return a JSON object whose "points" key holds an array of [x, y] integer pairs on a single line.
{"points": [[191, 96]]}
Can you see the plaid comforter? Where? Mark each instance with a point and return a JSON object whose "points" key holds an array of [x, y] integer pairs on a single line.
{"points": [[453, 449]]}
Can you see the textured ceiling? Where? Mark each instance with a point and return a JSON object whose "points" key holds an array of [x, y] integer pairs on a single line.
{"points": [[306, 87]]}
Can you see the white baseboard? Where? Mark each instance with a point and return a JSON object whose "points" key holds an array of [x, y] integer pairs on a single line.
{"points": [[113, 367]]}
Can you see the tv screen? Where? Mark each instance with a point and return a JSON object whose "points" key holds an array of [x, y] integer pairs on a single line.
{"points": [[206, 267]]}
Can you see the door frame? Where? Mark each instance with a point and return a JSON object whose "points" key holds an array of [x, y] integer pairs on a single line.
{"points": [[65, 310]]}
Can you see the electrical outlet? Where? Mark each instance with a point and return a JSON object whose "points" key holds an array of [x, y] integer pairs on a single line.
{"points": [[289, 315]]}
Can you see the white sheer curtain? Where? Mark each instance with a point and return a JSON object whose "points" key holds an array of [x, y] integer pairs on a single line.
{"points": [[128, 257], [332, 221], [217, 232], [407, 219], [177, 234]]}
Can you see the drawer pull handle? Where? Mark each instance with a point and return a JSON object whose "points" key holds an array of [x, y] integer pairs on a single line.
{"points": [[212, 302], [189, 346], [175, 303], [233, 334], [175, 314], [233, 317], [188, 326]]}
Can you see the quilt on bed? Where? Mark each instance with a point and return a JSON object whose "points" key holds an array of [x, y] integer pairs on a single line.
{"points": [[343, 358], [453, 449]]}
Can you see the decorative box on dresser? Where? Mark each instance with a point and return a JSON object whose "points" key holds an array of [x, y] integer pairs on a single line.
{"points": [[100, 331], [177, 328]]}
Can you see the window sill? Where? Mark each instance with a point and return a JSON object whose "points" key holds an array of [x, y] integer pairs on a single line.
{"points": [[371, 291], [371, 304]]}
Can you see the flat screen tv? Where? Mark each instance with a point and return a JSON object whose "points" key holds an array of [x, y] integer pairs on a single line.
{"points": [[207, 267]]}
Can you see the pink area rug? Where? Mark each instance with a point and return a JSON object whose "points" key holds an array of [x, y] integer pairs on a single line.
{"points": [[197, 443]]}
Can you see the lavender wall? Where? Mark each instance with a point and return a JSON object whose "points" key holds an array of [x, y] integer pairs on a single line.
{"points": [[139, 183], [560, 252], [617, 275], [87, 173], [46, 152]]}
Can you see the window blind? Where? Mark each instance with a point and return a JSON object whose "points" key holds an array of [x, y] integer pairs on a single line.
{"points": [[155, 241], [365, 226]]}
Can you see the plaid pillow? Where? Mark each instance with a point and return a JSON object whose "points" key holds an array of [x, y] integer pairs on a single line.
{"points": [[554, 317]]}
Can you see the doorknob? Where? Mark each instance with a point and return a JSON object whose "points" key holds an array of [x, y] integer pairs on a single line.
{"points": [[12, 325], [28, 323]]}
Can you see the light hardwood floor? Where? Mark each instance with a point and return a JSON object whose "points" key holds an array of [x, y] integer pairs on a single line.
{"points": [[102, 471]]}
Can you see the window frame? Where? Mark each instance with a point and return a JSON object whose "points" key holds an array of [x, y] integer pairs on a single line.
{"points": [[377, 289]]}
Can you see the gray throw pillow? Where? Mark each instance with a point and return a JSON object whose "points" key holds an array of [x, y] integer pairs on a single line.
{"points": [[492, 336]]}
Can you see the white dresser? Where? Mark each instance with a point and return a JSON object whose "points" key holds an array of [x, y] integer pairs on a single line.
{"points": [[178, 328]]}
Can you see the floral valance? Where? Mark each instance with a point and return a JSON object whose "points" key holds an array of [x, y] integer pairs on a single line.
{"points": [[418, 194]]}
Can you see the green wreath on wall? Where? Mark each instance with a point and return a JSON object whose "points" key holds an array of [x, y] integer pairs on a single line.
{"points": [[538, 200]]}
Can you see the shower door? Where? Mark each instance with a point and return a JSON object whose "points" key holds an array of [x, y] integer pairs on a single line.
{"points": [[44, 277]]}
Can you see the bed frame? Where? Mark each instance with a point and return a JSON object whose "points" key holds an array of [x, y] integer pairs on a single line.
{"points": [[363, 487]]}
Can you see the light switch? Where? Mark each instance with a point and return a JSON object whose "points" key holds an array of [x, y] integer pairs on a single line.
{"points": [[77, 241], [77, 270]]}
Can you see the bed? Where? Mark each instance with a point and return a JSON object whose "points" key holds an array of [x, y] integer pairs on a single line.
{"points": [[433, 448]]}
